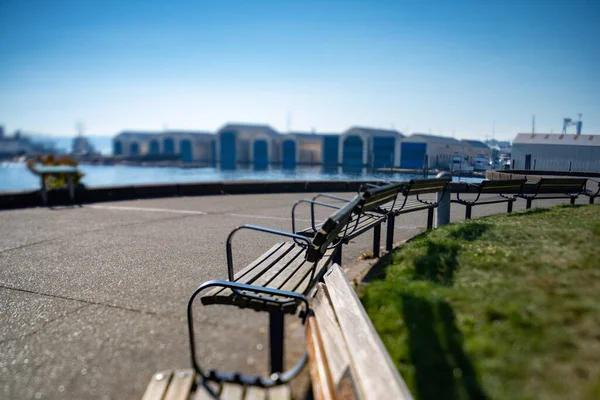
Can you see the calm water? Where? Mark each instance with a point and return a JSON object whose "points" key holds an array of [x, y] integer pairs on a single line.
{"points": [[15, 176]]}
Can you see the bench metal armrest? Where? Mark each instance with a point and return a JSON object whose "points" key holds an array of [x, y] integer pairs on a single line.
{"points": [[330, 196], [476, 185], [312, 212], [273, 380], [294, 236]]}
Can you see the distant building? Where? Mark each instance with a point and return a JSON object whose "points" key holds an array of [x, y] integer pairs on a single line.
{"points": [[369, 147], [475, 148], [439, 150], [556, 152], [247, 144], [21, 145], [190, 146], [132, 143]]}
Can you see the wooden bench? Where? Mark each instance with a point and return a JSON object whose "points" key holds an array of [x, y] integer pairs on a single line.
{"points": [[494, 192], [43, 171], [347, 359], [407, 199], [554, 188], [183, 384], [277, 282], [364, 218]]}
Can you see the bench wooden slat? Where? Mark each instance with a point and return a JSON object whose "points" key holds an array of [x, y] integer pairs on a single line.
{"points": [[271, 256], [282, 392], [255, 393], [495, 186], [181, 384], [300, 281], [377, 375], [202, 392], [231, 391], [337, 354], [293, 259], [320, 375], [158, 386], [295, 277]]}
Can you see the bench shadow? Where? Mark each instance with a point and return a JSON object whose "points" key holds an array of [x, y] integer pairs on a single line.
{"points": [[532, 211], [442, 370], [439, 263]]}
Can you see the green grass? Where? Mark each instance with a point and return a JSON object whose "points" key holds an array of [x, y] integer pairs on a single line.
{"points": [[503, 307]]}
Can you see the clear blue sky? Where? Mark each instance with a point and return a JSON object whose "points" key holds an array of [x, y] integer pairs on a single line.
{"points": [[449, 67]]}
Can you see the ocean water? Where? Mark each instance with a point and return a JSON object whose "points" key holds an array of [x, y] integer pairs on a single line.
{"points": [[16, 176]]}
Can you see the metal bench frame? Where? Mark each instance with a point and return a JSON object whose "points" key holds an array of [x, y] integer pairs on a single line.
{"points": [[362, 220], [411, 188], [574, 187], [500, 187], [276, 301], [590, 193]]}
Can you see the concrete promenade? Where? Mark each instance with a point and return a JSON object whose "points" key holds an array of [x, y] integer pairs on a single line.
{"points": [[93, 299]]}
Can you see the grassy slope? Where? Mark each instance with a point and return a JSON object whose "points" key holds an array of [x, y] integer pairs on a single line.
{"points": [[502, 307]]}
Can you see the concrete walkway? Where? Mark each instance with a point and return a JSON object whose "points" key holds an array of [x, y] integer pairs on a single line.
{"points": [[93, 299]]}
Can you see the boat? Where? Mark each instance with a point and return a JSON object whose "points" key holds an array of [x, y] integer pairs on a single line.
{"points": [[481, 163], [460, 163]]}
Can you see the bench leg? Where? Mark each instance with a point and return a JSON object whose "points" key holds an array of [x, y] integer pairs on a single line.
{"points": [[276, 338], [376, 240], [389, 242], [468, 211], [572, 200], [43, 191], [71, 188], [337, 256], [528, 205], [430, 219], [592, 199], [509, 206]]}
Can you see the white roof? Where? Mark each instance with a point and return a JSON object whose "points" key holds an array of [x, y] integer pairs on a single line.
{"points": [[557, 139]]}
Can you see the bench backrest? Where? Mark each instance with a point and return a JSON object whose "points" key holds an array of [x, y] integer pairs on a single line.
{"points": [[561, 185], [331, 229], [422, 186], [375, 197], [347, 358], [502, 186]]}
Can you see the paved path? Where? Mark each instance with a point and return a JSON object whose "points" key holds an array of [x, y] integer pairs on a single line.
{"points": [[93, 299]]}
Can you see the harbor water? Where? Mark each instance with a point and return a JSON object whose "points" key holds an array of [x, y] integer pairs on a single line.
{"points": [[16, 176]]}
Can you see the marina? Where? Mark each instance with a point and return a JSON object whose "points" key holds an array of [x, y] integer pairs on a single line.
{"points": [[16, 176]]}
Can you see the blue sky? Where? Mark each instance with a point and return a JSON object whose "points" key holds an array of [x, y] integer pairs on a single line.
{"points": [[446, 67]]}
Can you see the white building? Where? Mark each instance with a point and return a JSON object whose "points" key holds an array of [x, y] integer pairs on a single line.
{"points": [[556, 152]]}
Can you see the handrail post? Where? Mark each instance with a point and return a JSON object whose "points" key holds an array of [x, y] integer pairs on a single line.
{"points": [[443, 208]]}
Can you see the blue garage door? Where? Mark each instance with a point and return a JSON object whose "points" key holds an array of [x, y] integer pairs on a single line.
{"points": [[289, 154], [154, 148], [169, 146], [261, 160], [213, 153], [330, 151], [383, 152], [412, 155], [185, 147], [134, 149], [117, 148], [228, 156], [353, 154]]}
